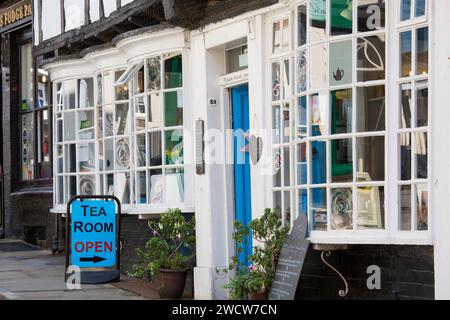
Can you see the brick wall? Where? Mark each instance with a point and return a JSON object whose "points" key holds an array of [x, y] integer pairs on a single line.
{"points": [[407, 272]]}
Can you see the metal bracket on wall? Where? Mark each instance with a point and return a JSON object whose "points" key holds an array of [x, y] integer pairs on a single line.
{"points": [[342, 293]]}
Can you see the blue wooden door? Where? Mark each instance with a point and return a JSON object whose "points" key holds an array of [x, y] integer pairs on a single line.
{"points": [[242, 185]]}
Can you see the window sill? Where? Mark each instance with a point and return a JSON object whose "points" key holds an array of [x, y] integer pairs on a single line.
{"points": [[371, 237], [144, 212]]}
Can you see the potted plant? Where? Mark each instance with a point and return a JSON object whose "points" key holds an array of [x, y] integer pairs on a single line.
{"points": [[170, 253], [254, 282]]}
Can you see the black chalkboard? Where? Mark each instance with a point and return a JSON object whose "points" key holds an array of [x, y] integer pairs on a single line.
{"points": [[291, 262]]}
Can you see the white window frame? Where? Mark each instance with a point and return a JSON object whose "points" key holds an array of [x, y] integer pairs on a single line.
{"points": [[389, 235]]}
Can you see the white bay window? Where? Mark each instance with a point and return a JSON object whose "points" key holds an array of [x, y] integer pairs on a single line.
{"points": [[350, 150]]}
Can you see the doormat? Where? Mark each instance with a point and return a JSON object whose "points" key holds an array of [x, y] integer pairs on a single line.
{"points": [[16, 247]]}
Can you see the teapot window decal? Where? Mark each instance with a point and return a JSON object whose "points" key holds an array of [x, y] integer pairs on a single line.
{"points": [[339, 74]]}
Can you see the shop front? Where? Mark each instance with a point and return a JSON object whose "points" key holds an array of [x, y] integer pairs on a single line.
{"points": [[26, 131], [321, 107]]}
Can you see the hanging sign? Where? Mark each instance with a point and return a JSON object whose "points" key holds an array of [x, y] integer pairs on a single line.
{"points": [[94, 229], [15, 13]]}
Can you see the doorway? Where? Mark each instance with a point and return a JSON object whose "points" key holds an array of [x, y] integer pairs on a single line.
{"points": [[242, 177]]}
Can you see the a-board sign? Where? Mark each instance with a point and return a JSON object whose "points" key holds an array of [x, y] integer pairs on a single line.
{"points": [[291, 261], [93, 228]]}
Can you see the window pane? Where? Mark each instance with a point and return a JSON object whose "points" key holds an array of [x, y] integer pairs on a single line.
{"points": [[318, 162], [318, 20], [420, 8], [140, 86], [405, 10], [286, 167], [109, 121], [302, 164], [405, 208], [174, 186], [109, 155], [121, 91], [286, 123], [370, 114], [422, 103], [155, 149], [99, 122], [101, 157], [69, 94], [276, 37], [318, 66], [371, 15], [87, 185], [154, 111], [286, 35], [122, 187], [26, 79], [173, 108], [173, 72], [71, 189], [276, 84], [44, 86], [405, 156], [27, 150], [276, 124], [422, 206], [154, 74], [405, 54], [302, 118], [342, 209], [122, 119], [422, 51], [139, 114], [405, 118], [286, 81], [156, 186], [371, 158], [69, 126], [302, 25], [123, 154], [371, 208], [70, 158], [237, 58], [287, 208], [141, 187], [277, 204], [303, 201], [60, 159], [110, 184], [341, 111], [302, 70], [341, 63], [44, 144], [99, 89], [342, 160], [341, 17], [60, 190], [319, 209], [277, 159], [86, 125], [86, 157], [174, 147], [421, 153], [86, 93], [141, 150], [319, 111], [371, 58]]}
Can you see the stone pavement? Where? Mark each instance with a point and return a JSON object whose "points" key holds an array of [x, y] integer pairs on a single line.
{"points": [[29, 273]]}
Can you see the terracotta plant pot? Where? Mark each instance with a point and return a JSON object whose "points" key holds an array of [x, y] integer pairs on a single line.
{"points": [[172, 284], [258, 296]]}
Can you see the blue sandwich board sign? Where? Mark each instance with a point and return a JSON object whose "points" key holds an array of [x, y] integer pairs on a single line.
{"points": [[93, 238]]}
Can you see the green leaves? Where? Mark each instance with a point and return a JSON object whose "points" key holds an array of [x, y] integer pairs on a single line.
{"points": [[270, 235], [172, 245]]}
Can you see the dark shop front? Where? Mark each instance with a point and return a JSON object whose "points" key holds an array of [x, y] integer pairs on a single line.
{"points": [[25, 157]]}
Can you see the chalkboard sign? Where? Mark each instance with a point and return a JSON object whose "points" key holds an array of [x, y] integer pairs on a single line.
{"points": [[291, 262]]}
